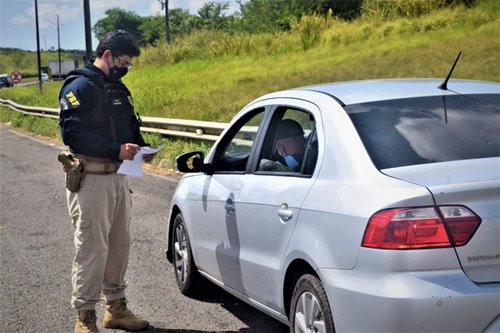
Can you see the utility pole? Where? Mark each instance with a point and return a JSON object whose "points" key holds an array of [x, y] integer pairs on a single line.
{"points": [[88, 36], [58, 45], [59, 48], [164, 5], [39, 59]]}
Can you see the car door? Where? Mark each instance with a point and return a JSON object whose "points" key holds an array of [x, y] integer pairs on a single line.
{"points": [[215, 239], [247, 215], [267, 207]]}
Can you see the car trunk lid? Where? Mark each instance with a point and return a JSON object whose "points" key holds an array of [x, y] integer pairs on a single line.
{"points": [[476, 185]]}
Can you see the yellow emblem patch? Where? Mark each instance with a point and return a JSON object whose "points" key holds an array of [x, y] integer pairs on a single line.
{"points": [[72, 99]]}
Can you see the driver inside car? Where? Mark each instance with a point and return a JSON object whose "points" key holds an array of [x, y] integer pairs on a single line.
{"points": [[290, 144], [289, 149]]}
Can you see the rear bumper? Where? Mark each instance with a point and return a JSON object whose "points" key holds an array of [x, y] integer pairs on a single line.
{"points": [[435, 301]]}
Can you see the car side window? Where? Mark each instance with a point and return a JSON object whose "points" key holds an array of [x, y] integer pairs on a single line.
{"points": [[290, 145], [234, 149]]}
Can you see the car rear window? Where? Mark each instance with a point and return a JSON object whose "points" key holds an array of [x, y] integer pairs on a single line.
{"points": [[428, 129]]}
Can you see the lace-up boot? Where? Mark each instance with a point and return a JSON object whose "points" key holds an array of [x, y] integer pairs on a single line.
{"points": [[86, 322], [119, 316]]}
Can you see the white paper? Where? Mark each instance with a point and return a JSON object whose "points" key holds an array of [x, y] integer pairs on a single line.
{"points": [[134, 167]]}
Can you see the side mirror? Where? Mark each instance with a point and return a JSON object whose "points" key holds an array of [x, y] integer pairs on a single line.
{"points": [[192, 162]]}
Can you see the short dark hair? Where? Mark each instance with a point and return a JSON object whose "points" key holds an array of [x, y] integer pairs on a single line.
{"points": [[288, 129], [119, 43]]}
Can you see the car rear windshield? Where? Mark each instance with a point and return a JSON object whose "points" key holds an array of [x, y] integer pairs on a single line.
{"points": [[428, 129]]}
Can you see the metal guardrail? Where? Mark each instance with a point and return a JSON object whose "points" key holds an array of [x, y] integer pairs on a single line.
{"points": [[193, 129]]}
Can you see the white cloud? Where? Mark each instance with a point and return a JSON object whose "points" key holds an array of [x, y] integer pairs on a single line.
{"points": [[192, 6], [68, 10], [140, 7], [20, 19], [104, 5], [49, 11], [155, 8]]}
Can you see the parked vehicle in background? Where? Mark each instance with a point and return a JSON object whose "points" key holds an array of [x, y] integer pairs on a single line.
{"points": [[5, 81], [66, 67], [45, 77], [390, 223]]}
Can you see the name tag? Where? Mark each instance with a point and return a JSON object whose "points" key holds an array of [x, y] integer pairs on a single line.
{"points": [[116, 101]]}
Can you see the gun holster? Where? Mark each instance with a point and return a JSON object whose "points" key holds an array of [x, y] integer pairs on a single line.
{"points": [[73, 167]]}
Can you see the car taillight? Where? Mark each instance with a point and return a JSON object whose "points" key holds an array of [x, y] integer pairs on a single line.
{"points": [[421, 227]]}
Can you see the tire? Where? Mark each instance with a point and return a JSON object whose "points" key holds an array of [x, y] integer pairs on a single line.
{"points": [[310, 310], [185, 270]]}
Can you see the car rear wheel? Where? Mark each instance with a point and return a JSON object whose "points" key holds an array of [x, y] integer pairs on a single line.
{"points": [[186, 273], [310, 311]]}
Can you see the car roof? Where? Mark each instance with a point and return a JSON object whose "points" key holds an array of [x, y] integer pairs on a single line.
{"points": [[354, 92]]}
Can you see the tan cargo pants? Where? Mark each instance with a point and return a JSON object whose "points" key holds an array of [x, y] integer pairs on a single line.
{"points": [[100, 212]]}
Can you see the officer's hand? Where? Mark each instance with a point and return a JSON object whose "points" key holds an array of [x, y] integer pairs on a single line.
{"points": [[128, 151]]}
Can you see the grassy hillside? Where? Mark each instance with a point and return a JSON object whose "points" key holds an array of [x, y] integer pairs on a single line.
{"points": [[210, 76], [373, 47]]}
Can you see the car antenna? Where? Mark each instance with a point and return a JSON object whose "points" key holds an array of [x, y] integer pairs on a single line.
{"points": [[444, 85]]}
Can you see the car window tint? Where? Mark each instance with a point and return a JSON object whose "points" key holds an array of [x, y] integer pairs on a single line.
{"points": [[236, 146], [428, 129], [290, 145]]}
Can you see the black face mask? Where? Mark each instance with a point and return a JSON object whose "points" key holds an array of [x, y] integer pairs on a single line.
{"points": [[116, 73]]}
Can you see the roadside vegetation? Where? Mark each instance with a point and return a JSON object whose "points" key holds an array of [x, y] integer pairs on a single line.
{"points": [[210, 74], [25, 62], [41, 126]]}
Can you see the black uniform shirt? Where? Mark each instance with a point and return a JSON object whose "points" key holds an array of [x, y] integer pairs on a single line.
{"points": [[97, 115]]}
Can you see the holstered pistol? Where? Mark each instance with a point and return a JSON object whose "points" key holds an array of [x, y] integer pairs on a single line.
{"points": [[73, 167]]}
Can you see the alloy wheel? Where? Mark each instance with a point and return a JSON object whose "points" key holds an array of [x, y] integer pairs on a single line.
{"points": [[308, 314], [181, 254]]}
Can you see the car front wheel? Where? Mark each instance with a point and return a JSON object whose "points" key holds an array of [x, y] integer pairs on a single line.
{"points": [[310, 311], [186, 273]]}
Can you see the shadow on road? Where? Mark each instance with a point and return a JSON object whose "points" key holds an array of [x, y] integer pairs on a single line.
{"points": [[256, 321]]}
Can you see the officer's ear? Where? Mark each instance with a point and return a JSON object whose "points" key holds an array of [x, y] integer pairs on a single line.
{"points": [[106, 55]]}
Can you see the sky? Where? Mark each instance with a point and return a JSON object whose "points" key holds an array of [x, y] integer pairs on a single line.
{"points": [[18, 29]]}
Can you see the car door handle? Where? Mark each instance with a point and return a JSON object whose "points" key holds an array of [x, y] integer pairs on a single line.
{"points": [[229, 206], [284, 213]]}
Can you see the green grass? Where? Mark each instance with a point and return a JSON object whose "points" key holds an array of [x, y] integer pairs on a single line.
{"points": [[46, 127], [211, 76], [30, 95], [172, 148], [26, 61]]}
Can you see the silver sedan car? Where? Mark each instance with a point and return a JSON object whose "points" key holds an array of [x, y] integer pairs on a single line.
{"points": [[367, 206]]}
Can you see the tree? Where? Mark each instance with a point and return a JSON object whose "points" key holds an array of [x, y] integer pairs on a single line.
{"points": [[152, 29], [270, 15], [117, 18], [181, 22], [347, 9], [262, 15], [211, 15]]}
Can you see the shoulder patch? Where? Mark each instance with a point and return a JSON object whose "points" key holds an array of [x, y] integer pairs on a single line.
{"points": [[72, 99]]}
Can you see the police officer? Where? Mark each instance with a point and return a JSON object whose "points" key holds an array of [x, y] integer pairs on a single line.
{"points": [[98, 124]]}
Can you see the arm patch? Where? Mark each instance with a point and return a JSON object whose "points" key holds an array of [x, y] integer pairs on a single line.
{"points": [[72, 99]]}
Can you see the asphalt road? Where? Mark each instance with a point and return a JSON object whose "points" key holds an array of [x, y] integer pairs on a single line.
{"points": [[36, 251]]}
